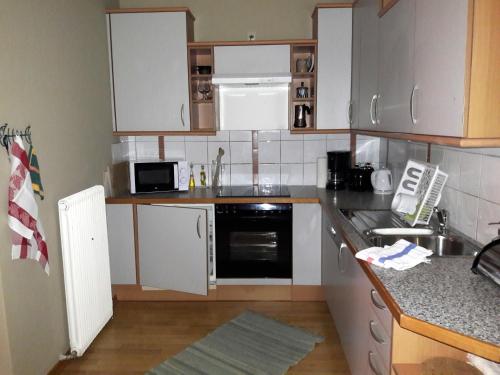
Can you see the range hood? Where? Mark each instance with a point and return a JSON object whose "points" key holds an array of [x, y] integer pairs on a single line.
{"points": [[251, 79]]}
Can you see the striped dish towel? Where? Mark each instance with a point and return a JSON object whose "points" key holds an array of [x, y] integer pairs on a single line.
{"points": [[36, 180], [400, 256], [28, 238]]}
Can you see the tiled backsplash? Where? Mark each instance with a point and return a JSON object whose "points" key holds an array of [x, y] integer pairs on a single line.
{"points": [[472, 192], [284, 158]]}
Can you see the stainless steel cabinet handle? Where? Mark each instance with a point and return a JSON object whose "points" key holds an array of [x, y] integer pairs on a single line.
{"points": [[349, 113], [341, 250], [377, 118], [372, 110], [333, 231], [182, 115], [374, 300], [412, 107], [373, 367], [375, 336], [198, 226]]}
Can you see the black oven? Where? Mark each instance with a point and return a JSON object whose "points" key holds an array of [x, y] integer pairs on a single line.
{"points": [[253, 240]]}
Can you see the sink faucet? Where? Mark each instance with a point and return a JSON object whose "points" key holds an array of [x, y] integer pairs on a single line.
{"points": [[442, 216]]}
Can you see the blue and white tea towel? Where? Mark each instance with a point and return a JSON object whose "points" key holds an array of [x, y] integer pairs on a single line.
{"points": [[400, 256]]}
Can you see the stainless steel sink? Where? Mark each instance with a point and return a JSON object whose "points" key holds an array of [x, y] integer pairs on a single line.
{"points": [[448, 245]]}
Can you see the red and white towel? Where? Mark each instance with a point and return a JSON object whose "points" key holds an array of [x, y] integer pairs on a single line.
{"points": [[28, 238]]}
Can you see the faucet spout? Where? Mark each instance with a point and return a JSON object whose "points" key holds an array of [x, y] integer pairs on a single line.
{"points": [[442, 217]]}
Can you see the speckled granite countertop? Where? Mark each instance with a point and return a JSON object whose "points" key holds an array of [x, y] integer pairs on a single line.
{"points": [[444, 292]]}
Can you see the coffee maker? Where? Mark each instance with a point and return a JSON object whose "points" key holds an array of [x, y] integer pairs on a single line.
{"points": [[339, 164]]}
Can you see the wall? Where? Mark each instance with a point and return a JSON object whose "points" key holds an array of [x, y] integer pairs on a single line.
{"points": [[472, 191], [53, 76], [233, 19], [284, 158]]}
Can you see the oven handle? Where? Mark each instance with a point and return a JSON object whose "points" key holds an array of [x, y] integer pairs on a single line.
{"points": [[198, 226]]}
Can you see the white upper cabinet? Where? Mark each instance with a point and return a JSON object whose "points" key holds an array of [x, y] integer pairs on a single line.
{"points": [[366, 26], [440, 58], [264, 59], [334, 33], [395, 68], [149, 71]]}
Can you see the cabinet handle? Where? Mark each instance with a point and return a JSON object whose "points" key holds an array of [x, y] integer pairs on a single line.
{"points": [[412, 106], [333, 231], [341, 250], [372, 110], [374, 368], [375, 336], [377, 118], [182, 115], [374, 300], [198, 226], [349, 113]]}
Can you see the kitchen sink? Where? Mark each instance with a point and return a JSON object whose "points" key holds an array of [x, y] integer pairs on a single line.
{"points": [[447, 245]]}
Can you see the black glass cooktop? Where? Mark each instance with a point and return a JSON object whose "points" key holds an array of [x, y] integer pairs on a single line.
{"points": [[254, 191]]}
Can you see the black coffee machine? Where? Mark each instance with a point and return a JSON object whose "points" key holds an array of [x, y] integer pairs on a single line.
{"points": [[339, 164]]}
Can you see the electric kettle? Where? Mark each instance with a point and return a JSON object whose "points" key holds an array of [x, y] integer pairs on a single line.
{"points": [[382, 181]]}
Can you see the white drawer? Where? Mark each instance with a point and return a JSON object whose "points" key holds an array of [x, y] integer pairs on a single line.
{"points": [[376, 365], [378, 305], [380, 338]]}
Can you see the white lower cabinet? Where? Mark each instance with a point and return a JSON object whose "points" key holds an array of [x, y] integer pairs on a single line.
{"points": [[364, 332], [173, 248], [121, 243], [306, 244]]}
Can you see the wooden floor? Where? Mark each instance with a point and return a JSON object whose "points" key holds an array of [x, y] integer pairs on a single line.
{"points": [[143, 334]]}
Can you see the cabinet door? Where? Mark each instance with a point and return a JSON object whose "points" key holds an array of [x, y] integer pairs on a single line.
{"points": [[149, 68], [334, 68], [252, 59], [120, 222], [356, 62], [367, 25], [440, 56], [396, 67], [173, 248], [306, 244], [329, 268]]}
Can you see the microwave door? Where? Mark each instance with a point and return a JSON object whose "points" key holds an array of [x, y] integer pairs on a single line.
{"points": [[176, 176], [154, 177]]}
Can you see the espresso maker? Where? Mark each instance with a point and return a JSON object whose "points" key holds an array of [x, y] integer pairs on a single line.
{"points": [[339, 164]]}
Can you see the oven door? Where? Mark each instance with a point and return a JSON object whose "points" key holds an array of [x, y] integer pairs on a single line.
{"points": [[156, 177], [254, 244]]}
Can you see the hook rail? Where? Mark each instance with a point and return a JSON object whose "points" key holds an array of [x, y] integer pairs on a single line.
{"points": [[7, 134]]}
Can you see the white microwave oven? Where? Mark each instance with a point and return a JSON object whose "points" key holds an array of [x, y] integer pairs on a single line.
{"points": [[158, 176]]}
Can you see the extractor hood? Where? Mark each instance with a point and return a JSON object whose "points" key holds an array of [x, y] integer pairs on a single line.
{"points": [[251, 79]]}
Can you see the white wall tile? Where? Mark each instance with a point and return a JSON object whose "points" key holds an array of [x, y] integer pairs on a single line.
{"points": [[196, 152], [146, 138], [269, 152], [314, 137], [470, 173], [487, 213], [175, 150], [269, 174], [213, 151], [490, 179], [449, 161], [196, 138], [241, 174], [292, 151], [309, 174], [287, 136], [220, 136], [146, 150], [175, 138], [338, 145], [292, 174], [241, 152], [269, 135], [466, 221], [418, 151], [240, 136], [339, 137], [314, 150], [367, 150]]}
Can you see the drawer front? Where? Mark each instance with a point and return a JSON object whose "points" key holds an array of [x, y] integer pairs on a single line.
{"points": [[376, 365], [378, 305], [380, 339]]}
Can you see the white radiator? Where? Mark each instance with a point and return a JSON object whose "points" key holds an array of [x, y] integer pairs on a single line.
{"points": [[87, 282]]}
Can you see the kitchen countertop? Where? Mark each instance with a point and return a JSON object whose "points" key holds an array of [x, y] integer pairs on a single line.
{"points": [[443, 300]]}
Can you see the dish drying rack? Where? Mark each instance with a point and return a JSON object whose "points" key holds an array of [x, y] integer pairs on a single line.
{"points": [[422, 181]]}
